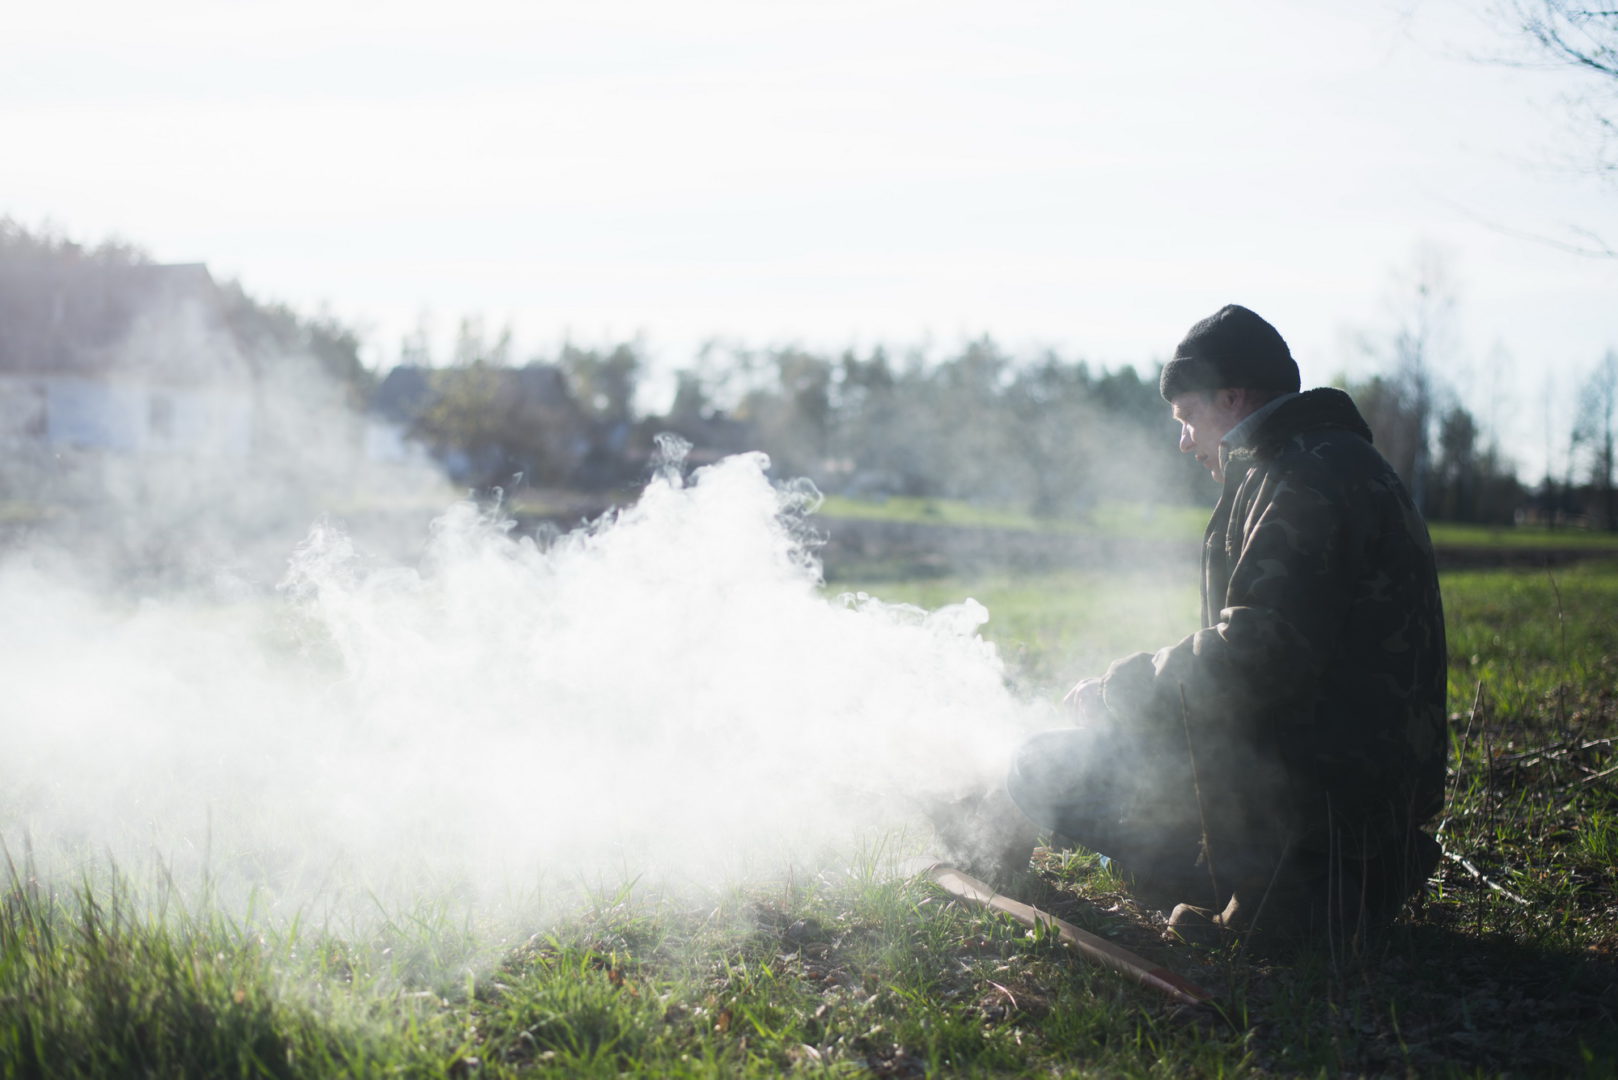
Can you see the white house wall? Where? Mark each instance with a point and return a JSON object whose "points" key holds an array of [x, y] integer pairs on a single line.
{"points": [[94, 415], [125, 417], [209, 422]]}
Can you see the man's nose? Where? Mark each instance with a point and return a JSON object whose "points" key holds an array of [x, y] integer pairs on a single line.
{"points": [[1186, 445]]}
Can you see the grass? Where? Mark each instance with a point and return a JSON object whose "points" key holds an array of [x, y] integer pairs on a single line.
{"points": [[1509, 966], [1134, 520], [1105, 519], [1532, 633], [1532, 537], [1053, 627]]}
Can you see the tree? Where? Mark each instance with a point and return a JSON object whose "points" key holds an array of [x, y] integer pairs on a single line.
{"points": [[604, 382], [1402, 404], [1450, 462], [416, 346], [1053, 413], [1386, 405], [691, 402], [1456, 472], [473, 347], [803, 420], [875, 426], [1585, 40], [1594, 432], [494, 423]]}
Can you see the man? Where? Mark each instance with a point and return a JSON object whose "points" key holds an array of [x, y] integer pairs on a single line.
{"points": [[1271, 772]]}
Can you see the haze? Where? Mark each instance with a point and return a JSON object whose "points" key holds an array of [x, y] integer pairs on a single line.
{"points": [[1093, 177]]}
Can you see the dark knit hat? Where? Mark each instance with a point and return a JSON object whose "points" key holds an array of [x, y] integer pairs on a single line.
{"points": [[1232, 348]]}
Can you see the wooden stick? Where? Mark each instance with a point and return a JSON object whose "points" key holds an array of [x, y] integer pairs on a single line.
{"points": [[1098, 949], [1466, 864]]}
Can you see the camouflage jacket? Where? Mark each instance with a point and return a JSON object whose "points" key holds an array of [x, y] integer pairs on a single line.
{"points": [[1318, 680]]}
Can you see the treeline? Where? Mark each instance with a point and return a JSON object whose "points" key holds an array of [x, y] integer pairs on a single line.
{"points": [[1047, 434], [71, 308], [1453, 469]]}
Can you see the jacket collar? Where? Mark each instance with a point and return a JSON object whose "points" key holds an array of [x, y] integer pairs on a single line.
{"points": [[1237, 437], [1320, 409]]}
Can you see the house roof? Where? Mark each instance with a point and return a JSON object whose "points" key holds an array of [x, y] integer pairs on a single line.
{"points": [[403, 393], [62, 313]]}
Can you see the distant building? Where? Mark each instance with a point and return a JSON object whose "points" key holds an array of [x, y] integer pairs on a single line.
{"points": [[396, 406], [132, 359]]}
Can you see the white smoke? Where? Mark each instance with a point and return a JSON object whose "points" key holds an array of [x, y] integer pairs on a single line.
{"points": [[663, 696]]}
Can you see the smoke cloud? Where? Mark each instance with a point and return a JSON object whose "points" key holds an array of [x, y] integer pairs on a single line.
{"points": [[664, 695]]}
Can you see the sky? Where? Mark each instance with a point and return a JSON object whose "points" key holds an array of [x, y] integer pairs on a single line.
{"points": [[1089, 177]]}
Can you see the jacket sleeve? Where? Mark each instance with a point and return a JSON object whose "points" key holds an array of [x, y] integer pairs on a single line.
{"points": [[1285, 605]]}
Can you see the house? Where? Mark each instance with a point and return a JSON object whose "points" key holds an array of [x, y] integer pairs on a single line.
{"points": [[120, 359]]}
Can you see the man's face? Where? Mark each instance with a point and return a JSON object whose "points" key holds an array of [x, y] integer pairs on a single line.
{"points": [[1204, 417]]}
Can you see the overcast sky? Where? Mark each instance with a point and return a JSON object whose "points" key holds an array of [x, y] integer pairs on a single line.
{"points": [[1087, 176]]}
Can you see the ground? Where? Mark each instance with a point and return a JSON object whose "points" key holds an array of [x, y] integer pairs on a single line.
{"points": [[1507, 966]]}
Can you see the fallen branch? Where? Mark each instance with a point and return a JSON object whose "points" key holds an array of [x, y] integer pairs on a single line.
{"points": [[1095, 948], [1602, 775], [1554, 750], [1466, 864]]}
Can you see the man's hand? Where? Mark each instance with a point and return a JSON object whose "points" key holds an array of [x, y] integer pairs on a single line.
{"points": [[1085, 701]]}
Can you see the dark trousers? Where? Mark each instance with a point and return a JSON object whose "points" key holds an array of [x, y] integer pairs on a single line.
{"points": [[1202, 823]]}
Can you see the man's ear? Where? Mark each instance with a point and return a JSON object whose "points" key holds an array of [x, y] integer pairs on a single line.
{"points": [[1230, 398]]}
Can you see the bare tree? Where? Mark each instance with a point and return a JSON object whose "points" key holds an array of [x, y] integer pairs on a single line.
{"points": [[1403, 405], [1594, 431], [604, 382], [473, 347], [1584, 39], [1581, 40]]}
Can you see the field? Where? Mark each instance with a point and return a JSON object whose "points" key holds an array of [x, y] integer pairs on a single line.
{"points": [[1178, 523], [1508, 967]]}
